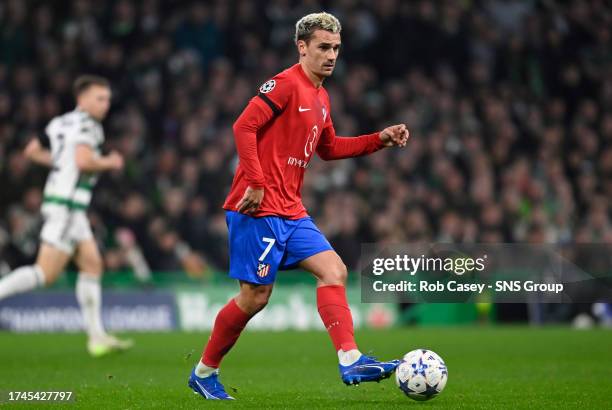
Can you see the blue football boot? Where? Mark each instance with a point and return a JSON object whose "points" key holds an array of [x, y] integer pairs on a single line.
{"points": [[367, 369], [208, 387]]}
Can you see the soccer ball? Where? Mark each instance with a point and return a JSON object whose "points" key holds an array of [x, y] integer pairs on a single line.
{"points": [[421, 375]]}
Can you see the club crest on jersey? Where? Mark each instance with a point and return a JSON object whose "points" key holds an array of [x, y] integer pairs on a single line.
{"points": [[267, 86], [263, 269], [312, 137]]}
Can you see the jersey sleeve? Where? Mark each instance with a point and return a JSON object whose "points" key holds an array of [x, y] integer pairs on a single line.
{"points": [[332, 147], [245, 134], [274, 94], [83, 132], [44, 140]]}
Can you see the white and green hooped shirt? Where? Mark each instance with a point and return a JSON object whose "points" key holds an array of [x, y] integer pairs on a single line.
{"points": [[66, 185]]}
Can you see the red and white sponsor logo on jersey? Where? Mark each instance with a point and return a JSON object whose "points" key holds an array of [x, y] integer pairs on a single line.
{"points": [[309, 147], [263, 269]]}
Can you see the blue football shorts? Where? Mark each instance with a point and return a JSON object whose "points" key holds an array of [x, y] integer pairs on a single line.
{"points": [[259, 247]]}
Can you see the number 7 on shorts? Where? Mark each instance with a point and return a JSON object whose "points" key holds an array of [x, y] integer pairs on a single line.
{"points": [[270, 242]]}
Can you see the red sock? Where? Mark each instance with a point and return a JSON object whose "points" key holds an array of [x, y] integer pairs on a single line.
{"points": [[228, 325], [336, 316]]}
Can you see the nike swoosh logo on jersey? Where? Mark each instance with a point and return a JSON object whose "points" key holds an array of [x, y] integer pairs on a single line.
{"points": [[300, 109]]}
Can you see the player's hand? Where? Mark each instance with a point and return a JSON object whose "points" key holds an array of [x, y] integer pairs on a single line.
{"points": [[115, 161], [251, 200], [395, 135], [32, 148]]}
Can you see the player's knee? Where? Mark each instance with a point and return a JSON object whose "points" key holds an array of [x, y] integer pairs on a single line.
{"points": [[261, 297], [258, 298], [49, 278], [260, 302], [96, 268], [253, 298], [49, 274], [342, 273], [336, 275], [92, 266]]}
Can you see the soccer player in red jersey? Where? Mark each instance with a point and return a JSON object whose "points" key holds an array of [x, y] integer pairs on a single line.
{"points": [[276, 136]]}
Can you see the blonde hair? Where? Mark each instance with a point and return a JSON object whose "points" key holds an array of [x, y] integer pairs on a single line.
{"points": [[315, 21]]}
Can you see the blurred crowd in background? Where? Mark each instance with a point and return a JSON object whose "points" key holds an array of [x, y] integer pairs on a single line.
{"points": [[508, 103]]}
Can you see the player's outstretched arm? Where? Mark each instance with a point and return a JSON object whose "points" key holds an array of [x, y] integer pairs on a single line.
{"points": [[332, 147], [88, 161], [38, 154]]}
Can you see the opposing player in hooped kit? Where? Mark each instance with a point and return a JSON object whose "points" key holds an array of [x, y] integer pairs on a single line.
{"points": [[276, 136], [71, 148]]}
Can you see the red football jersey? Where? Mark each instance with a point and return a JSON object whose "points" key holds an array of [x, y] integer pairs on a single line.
{"points": [[277, 135]]}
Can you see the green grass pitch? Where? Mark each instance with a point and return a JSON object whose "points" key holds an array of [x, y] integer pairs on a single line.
{"points": [[490, 367]]}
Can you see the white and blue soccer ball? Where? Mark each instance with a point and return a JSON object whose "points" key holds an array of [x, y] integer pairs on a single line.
{"points": [[421, 375]]}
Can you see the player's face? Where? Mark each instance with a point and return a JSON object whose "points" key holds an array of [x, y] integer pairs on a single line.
{"points": [[96, 101], [321, 52]]}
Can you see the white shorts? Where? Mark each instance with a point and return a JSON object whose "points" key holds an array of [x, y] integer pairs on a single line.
{"points": [[64, 228]]}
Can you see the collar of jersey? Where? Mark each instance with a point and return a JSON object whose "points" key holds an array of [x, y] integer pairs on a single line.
{"points": [[302, 74], [77, 109]]}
